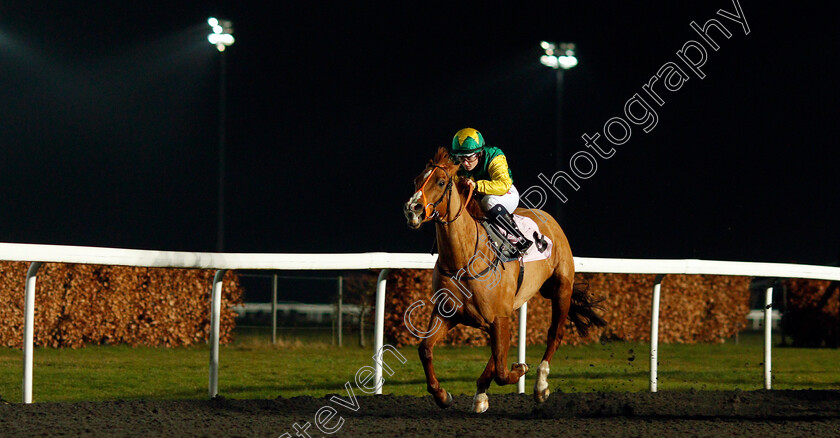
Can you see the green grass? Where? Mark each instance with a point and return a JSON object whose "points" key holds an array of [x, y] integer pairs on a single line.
{"points": [[306, 364]]}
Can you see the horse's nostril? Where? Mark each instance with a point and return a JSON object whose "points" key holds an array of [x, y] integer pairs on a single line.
{"points": [[416, 207]]}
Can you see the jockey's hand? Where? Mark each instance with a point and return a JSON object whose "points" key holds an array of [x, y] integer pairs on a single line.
{"points": [[471, 183]]}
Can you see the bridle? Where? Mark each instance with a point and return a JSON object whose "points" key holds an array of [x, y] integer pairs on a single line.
{"points": [[431, 213], [430, 208]]}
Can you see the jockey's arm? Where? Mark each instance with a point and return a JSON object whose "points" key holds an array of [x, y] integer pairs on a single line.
{"points": [[499, 182]]}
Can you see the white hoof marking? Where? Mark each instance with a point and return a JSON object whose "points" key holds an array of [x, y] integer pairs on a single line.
{"points": [[541, 390], [480, 403]]}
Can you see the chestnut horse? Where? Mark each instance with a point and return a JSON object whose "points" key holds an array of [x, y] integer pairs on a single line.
{"points": [[485, 291]]}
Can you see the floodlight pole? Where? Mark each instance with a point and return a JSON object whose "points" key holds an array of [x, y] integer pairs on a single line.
{"points": [[221, 37], [560, 57], [558, 149], [220, 236]]}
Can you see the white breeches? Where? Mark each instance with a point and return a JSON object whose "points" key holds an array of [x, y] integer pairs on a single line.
{"points": [[509, 200]]}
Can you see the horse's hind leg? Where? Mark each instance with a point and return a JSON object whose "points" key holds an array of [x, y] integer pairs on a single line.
{"points": [[442, 397], [560, 302]]}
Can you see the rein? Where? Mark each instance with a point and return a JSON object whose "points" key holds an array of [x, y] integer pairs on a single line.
{"points": [[430, 208], [497, 261], [491, 266]]}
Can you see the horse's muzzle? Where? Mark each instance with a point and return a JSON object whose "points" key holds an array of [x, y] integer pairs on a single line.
{"points": [[413, 212]]}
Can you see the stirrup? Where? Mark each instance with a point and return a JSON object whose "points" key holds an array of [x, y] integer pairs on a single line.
{"points": [[523, 244], [501, 217]]}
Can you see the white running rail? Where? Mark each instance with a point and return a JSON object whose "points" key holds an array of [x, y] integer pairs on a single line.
{"points": [[39, 254]]}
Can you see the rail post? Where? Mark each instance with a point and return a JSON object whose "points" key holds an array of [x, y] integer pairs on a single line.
{"points": [[29, 330], [379, 329], [340, 310], [273, 309], [768, 331], [654, 331], [523, 323], [215, 316]]}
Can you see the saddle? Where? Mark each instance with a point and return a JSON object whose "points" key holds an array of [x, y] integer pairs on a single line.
{"points": [[503, 248], [507, 250]]}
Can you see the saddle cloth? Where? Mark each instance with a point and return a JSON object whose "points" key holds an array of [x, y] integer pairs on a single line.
{"points": [[528, 227]]}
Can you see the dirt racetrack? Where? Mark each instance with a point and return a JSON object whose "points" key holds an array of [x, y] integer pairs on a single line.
{"points": [[753, 413]]}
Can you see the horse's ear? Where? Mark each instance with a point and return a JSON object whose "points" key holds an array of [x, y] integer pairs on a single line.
{"points": [[442, 156]]}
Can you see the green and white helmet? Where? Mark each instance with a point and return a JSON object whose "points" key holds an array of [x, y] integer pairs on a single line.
{"points": [[467, 141]]}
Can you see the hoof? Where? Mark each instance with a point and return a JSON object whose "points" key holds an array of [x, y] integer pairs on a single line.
{"points": [[541, 396], [541, 391], [522, 366], [480, 403], [443, 404]]}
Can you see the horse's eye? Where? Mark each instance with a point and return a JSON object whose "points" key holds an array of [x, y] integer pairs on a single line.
{"points": [[441, 183]]}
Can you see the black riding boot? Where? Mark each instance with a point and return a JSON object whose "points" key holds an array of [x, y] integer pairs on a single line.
{"points": [[500, 216]]}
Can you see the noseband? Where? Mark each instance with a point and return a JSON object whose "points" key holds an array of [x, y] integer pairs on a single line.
{"points": [[430, 208]]}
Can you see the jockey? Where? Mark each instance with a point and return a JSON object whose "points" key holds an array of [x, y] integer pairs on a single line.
{"points": [[485, 168]]}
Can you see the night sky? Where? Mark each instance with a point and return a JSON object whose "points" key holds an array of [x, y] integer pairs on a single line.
{"points": [[109, 123]]}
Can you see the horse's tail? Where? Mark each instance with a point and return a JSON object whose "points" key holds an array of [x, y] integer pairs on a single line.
{"points": [[582, 311]]}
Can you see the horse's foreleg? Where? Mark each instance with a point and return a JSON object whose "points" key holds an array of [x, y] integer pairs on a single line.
{"points": [[560, 301], [500, 345], [480, 401], [441, 396]]}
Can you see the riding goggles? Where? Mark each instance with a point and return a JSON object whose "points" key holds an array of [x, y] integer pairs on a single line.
{"points": [[467, 157]]}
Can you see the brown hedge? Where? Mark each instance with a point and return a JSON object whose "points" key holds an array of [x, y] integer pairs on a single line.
{"points": [[77, 305], [693, 308], [812, 316]]}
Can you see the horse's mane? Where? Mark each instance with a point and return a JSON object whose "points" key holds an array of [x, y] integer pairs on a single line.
{"points": [[442, 158]]}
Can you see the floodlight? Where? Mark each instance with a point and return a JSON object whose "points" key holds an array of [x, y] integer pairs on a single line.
{"points": [[222, 35], [558, 55]]}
